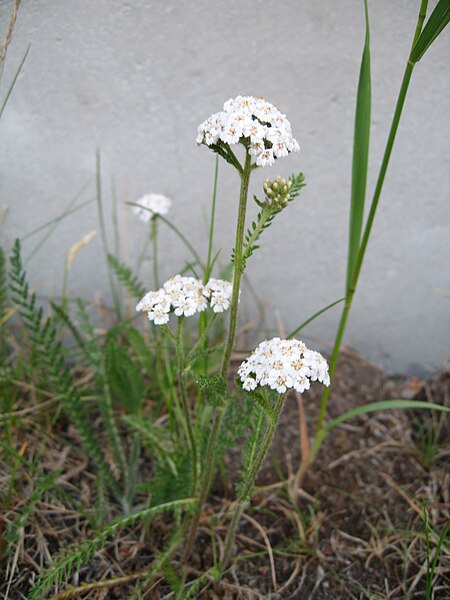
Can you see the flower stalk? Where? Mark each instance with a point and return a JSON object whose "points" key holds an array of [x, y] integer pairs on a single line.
{"points": [[184, 400], [251, 479], [219, 411]]}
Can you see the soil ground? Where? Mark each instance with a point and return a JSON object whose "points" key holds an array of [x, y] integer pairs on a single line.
{"points": [[353, 530]]}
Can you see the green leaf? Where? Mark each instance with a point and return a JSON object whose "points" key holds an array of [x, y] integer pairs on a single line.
{"points": [[383, 405], [360, 156], [124, 377], [439, 19], [213, 389], [171, 484], [73, 557], [141, 349], [127, 278], [259, 399], [252, 445]]}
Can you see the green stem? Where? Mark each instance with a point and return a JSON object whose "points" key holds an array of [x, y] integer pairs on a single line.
{"points": [[238, 265], [106, 408], [101, 219], [211, 224], [203, 321], [203, 336], [154, 240], [370, 219], [237, 274], [184, 400], [251, 478], [183, 238]]}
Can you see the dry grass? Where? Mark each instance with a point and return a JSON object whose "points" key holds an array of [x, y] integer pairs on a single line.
{"points": [[354, 530]]}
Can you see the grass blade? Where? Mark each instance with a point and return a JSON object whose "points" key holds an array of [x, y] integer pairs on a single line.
{"points": [[13, 82], [314, 316], [360, 155], [101, 217], [179, 234], [383, 405], [439, 19]]}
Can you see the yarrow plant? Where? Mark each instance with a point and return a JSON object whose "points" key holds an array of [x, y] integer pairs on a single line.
{"points": [[264, 379], [151, 205], [265, 133]]}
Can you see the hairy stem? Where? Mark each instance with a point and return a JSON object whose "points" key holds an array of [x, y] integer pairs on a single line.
{"points": [[250, 481], [237, 274], [154, 240], [184, 400]]}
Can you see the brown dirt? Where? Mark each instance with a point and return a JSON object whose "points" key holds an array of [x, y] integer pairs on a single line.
{"points": [[354, 531]]}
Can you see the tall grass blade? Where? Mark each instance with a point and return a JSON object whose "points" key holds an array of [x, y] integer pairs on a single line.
{"points": [[13, 82], [360, 155], [101, 217], [314, 316], [439, 19], [383, 405]]}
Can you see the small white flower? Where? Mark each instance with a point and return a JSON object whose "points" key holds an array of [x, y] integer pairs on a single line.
{"points": [[266, 158], [185, 306], [151, 205], [264, 130], [185, 296], [219, 302], [283, 365]]}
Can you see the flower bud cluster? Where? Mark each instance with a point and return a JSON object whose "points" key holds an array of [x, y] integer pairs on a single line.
{"points": [[256, 123], [277, 192], [151, 205], [282, 365], [185, 296]]}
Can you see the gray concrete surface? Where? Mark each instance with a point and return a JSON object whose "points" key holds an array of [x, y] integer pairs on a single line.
{"points": [[136, 78]]}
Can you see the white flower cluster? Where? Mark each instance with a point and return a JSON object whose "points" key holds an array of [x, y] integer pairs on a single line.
{"points": [[185, 296], [282, 365], [254, 121], [151, 205]]}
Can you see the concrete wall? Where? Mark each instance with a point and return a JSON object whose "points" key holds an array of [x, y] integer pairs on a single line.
{"points": [[136, 78]]}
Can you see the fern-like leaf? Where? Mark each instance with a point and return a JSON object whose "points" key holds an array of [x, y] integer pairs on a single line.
{"points": [[153, 436], [195, 587], [213, 389], [252, 444], [127, 278], [97, 360], [65, 318], [50, 355], [42, 486], [265, 217], [3, 282], [124, 377], [73, 557]]}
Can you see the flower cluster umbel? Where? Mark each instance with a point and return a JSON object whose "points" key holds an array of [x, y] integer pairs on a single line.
{"points": [[151, 205], [185, 296], [277, 192], [282, 365], [256, 123]]}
